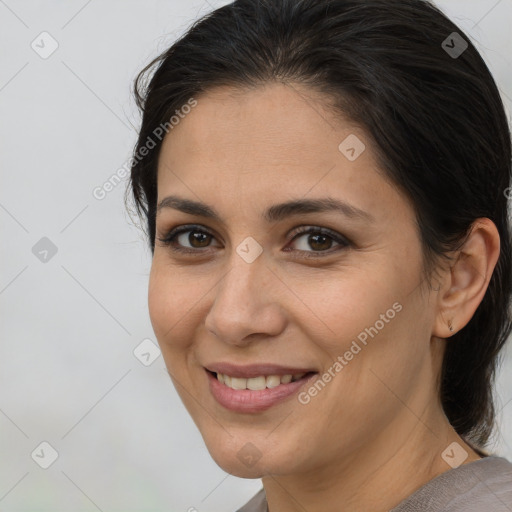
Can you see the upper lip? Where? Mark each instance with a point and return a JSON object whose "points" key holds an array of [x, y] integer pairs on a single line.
{"points": [[255, 370]]}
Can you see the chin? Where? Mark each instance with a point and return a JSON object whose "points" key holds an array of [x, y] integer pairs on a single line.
{"points": [[236, 468], [242, 458]]}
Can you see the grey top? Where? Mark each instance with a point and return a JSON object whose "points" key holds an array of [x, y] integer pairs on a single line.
{"points": [[482, 485]]}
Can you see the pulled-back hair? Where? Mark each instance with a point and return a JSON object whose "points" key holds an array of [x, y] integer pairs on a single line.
{"points": [[435, 118]]}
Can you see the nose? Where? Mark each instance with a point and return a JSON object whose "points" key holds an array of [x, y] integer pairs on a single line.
{"points": [[247, 303]]}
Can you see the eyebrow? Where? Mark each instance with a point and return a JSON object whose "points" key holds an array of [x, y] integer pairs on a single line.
{"points": [[274, 213]]}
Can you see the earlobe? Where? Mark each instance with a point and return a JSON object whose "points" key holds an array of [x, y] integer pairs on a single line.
{"points": [[466, 281]]}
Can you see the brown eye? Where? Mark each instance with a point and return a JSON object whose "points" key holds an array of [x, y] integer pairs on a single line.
{"points": [[197, 238], [188, 239], [318, 240]]}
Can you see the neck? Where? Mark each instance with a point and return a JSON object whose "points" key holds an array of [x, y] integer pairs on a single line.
{"points": [[376, 476]]}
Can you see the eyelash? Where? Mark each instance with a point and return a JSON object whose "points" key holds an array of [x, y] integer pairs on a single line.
{"points": [[169, 239]]}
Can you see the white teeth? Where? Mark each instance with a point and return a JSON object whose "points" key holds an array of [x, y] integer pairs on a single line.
{"points": [[258, 383], [273, 381], [237, 383]]}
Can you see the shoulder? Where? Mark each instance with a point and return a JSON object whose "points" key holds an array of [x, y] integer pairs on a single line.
{"points": [[485, 484]]}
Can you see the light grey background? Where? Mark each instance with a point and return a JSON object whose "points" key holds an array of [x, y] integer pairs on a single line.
{"points": [[68, 374]]}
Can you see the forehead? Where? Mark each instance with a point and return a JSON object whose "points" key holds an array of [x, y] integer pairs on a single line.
{"points": [[279, 123], [266, 144]]}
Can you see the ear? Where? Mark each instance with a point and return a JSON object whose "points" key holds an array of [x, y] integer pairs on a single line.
{"points": [[464, 284]]}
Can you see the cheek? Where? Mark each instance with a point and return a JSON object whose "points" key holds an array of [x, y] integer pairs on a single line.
{"points": [[374, 322], [175, 302], [168, 304], [383, 344], [338, 307], [158, 302]]}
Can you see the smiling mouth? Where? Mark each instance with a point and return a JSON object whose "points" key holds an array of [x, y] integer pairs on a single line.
{"points": [[256, 393], [258, 383]]}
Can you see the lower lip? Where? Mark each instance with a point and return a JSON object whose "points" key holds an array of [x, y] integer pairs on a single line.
{"points": [[248, 401]]}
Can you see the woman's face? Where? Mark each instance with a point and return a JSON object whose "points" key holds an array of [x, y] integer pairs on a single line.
{"points": [[346, 303]]}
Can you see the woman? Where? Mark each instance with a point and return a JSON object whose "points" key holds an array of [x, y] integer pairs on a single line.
{"points": [[324, 188]]}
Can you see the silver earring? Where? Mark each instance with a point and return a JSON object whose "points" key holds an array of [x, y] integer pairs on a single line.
{"points": [[450, 326]]}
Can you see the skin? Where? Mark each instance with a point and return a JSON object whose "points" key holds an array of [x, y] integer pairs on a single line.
{"points": [[376, 432]]}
